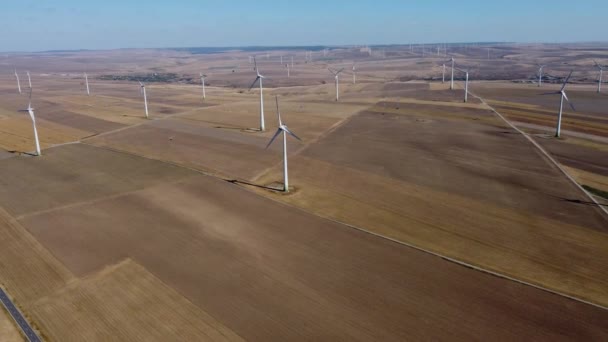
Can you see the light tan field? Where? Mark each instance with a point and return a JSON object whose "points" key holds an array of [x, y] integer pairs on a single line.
{"points": [[8, 329], [405, 199], [149, 310]]}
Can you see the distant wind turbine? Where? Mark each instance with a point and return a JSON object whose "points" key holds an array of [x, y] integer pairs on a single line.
{"points": [[18, 83], [284, 130], [86, 81], [30, 111], [259, 77], [540, 74], [354, 74], [337, 78], [143, 91], [443, 74], [287, 67], [599, 82], [29, 79], [203, 83], [452, 81], [561, 92], [466, 84]]}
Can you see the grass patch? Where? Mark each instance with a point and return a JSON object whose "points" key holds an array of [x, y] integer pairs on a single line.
{"points": [[597, 192]]}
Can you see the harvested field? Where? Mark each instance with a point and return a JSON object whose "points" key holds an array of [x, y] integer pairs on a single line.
{"points": [[440, 184], [32, 271], [239, 262], [8, 329], [215, 139], [75, 173], [127, 303]]}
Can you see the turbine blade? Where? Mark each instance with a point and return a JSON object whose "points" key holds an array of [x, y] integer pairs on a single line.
{"points": [[253, 84], [274, 137], [339, 71], [291, 133], [278, 111], [566, 81], [568, 100]]}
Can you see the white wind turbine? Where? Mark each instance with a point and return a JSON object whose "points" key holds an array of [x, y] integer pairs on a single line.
{"points": [[30, 111], [259, 77], [287, 67], [599, 82], [452, 81], [142, 89], [18, 83], [86, 81], [203, 83], [284, 130], [466, 84], [540, 74], [443, 74], [354, 74], [561, 92], [29, 79], [337, 78]]}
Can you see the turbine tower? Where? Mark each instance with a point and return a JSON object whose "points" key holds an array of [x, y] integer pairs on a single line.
{"points": [[540, 74], [143, 91], [466, 84], [203, 83], [283, 130], [599, 82], [337, 78], [452, 81], [287, 67], [29, 79], [86, 81], [354, 74], [18, 83], [30, 111], [443, 74], [562, 92], [259, 77]]}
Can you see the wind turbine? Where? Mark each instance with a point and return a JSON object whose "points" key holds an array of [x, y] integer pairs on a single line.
{"points": [[466, 84], [354, 74], [452, 81], [337, 78], [30, 111], [540, 74], [443, 74], [599, 82], [284, 130], [29, 79], [562, 92], [18, 83], [203, 83], [287, 67], [143, 91], [259, 77], [86, 81]]}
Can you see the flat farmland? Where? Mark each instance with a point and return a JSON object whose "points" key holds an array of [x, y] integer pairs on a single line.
{"points": [[263, 269], [439, 183], [224, 139], [124, 301]]}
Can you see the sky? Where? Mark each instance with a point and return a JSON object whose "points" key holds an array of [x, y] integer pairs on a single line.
{"points": [[39, 25]]}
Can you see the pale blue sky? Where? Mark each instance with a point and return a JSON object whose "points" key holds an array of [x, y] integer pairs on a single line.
{"points": [[35, 25]]}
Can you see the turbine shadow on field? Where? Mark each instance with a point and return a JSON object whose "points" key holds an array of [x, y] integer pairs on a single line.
{"points": [[236, 181], [578, 201], [20, 153]]}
